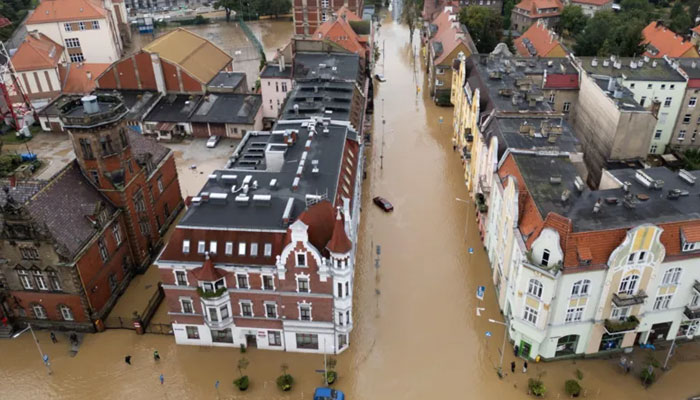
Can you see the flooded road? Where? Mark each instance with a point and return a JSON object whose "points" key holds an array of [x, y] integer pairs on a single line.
{"points": [[416, 336]]}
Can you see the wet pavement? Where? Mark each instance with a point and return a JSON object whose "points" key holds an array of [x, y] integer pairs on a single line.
{"points": [[195, 161], [53, 150], [416, 336]]}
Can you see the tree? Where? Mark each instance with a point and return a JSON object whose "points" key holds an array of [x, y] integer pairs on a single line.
{"points": [[680, 20], [484, 25], [509, 42], [608, 33], [410, 15], [508, 6], [228, 6], [572, 20]]}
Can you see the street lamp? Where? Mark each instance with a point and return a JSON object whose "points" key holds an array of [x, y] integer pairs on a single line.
{"points": [[503, 348], [44, 357], [462, 200]]}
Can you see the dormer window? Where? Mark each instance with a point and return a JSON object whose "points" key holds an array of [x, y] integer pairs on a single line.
{"points": [[185, 246], [545, 257], [213, 286], [691, 246]]}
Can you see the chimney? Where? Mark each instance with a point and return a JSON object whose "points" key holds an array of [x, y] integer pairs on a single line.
{"points": [[90, 104], [13, 180], [280, 59], [596, 206], [594, 62], [611, 84], [653, 64]]}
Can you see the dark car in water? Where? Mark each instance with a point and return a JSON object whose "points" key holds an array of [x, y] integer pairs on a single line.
{"points": [[383, 203]]}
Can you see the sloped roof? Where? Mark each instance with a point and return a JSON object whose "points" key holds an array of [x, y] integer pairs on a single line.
{"points": [[533, 5], [341, 33], [448, 37], [542, 41], [37, 51], [207, 272], [4, 21], [666, 42], [65, 10], [81, 78], [198, 56], [339, 242], [691, 233], [598, 3], [696, 29], [320, 219]]}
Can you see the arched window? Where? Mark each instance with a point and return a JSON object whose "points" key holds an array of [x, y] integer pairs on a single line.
{"points": [[24, 279], [629, 284], [53, 279], [66, 312], [534, 288], [39, 311], [39, 279], [672, 276], [580, 288]]}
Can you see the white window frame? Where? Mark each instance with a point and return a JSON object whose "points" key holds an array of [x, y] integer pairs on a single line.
{"points": [[95, 24], [42, 311], [276, 335], [530, 315], [254, 249], [268, 250], [692, 101], [619, 313], [24, 279], [241, 248], [67, 27], [81, 25], [270, 303], [580, 288], [247, 280], [574, 314], [305, 305], [535, 288], [305, 277], [662, 302], [240, 306], [296, 259], [184, 271], [672, 276], [66, 312], [689, 246], [159, 182], [196, 330], [567, 106], [668, 101], [185, 246], [212, 247], [40, 280], [628, 284], [201, 247], [262, 281], [182, 305], [117, 233]]}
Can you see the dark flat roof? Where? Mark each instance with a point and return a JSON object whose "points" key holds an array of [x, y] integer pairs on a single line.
{"points": [[139, 102], [250, 163], [272, 70], [226, 79], [230, 108], [326, 99], [690, 66], [625, 101], [326, 66], [174, 108], [547, 133]]}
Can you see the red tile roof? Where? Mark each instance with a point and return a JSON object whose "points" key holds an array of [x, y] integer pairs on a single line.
{"points": [[691, 233], [339, 242], [207, 272], [541, 38], [81, 78], [598, 3], [449, 35], [320, 219], [561, 81], [37, 52], [696, 29], [65, 10], [667, 42], [532, 6], [341, 33], [4, 22]]}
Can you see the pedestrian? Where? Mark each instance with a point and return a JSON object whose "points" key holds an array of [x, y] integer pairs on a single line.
{"points": [[53, 337], [127, 360], [516, 350], [629, 366], [623, 363], [525, 367], [74, 338], [512, 366], [162, 379], [156, 356]]}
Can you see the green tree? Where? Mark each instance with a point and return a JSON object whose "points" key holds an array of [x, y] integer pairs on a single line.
{"points": [[638, 9], [228, 6], [410, 15], [507, 10], [572, 20], [509, 42], [680, 20], [484, 25], [608, 33]]}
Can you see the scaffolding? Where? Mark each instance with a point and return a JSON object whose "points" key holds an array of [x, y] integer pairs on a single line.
{"points": [[14, 103]]}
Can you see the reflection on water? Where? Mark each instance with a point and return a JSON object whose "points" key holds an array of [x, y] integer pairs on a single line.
{"points": [[416, 333]]}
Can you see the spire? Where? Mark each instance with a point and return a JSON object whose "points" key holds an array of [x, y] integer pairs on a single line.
{"points": [[339, 242], [207, 272]]}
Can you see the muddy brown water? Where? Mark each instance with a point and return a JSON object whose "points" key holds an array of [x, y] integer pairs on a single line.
{"points": [[416, 334]]}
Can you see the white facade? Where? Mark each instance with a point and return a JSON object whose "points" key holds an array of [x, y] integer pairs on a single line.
{"points": [[274, 92], [589, 9]]}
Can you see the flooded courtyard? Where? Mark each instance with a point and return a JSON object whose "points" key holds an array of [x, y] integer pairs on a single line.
{"points": [[417, 334]]}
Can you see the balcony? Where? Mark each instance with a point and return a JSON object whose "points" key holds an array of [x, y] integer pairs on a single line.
{"points": [[628, 324], [224, 323], [691, 313], [625, 300], [213, 298]]}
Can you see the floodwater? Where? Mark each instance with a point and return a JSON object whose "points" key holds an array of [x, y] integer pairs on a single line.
{"points": [[416, 336], [273, 34]]}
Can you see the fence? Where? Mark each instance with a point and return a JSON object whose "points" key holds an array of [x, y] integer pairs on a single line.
{"points": [[160, 329], [119, 322], [249, 33]]}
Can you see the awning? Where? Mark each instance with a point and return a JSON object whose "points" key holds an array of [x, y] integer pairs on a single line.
{"points": [[165, 126]]}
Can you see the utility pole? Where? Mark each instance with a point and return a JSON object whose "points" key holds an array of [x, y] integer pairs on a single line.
{"points": [[381, 155], [670, 353], [383, 56]]}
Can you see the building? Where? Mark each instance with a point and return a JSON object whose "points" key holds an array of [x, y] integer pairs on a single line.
{"points": [[656, 85], [528, 12], [227, 114], [275, 83], [348, 31], [228, 82], [149, 5], [37, 65], [685, 132], [590, 7], [70, 245], [310, 14], [89, 31], [589, 272], [170, 64], [448, 39], [660, 41], [539, 41], [695, 35], [432, 8], [171, 116]]}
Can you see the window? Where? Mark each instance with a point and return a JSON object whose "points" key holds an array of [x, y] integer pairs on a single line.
{"points": [[653, 148], [181, 278], [77, 57], [567, 106], [213, 314], [95, 24], [229, 248], [201, 246], [438, 82], [212, 247], [439, 71], [117, 234], [303, 285], [671, 277], [29, 253], [573, 314], [144, 227], [186, 305], [66, 312], [688, 246], [619, 312], [39, 279], [24, 279], [192, 332], [545, 257], [695, 134], [663, 87], [672, 86], [39, 311], [305, 312], [695, 300], [284, 87], [274, 338], [139, 204], [649, 86], [629, 284], [254, 249], [667, 103], [271, 310], [241, 249], [268, 282], [242, 281], [86, 149], [642, 101], [534, 288], [112, 280], [72, 43], [580, 288], [632, 86], [692, 102], [530, 315], [662, 302], [341, 318], [681, 135], [340, 289], [307, 341], [67, 27], [95, 175], [301, 260], [159, 182], [246, 309], [103, 249], [637, 257], [347, 288], [657, 134], [686, 119], [347, 317], [551, 97], [342, 341], [224, 312], [186, 246], [54, 280]]}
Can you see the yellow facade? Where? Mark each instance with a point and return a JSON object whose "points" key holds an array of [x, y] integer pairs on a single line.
{"points": [[465, 136]]}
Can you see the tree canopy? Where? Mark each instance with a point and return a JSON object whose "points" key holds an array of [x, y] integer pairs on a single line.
{"points": [[249, 9], [680, 18], [610, 33], [484, 25], [572, 20], [15, 11], [410, 15]]}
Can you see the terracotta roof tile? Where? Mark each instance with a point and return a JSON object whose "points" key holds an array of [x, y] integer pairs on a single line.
{"points": [[65, 10], [598, 3], [691, 233], [541, 38], [667, 42], [696, 29], [4, 22], [207, 272], [81, 78], [37, 51], [320, 219], [339, 242], [533, 5], [341, 33]]}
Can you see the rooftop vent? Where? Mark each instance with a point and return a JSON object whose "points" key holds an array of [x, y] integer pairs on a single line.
{"points": [[674, 194], [606, 62], [262, 199], [286, 216], [213, 177], [629, 202], [295, 183], [578, 182], [229, 178], [643, 178], [90, 105], [687, 177], [273, 183], [565, 195], [596, 207], [626, 186], [653, 64], [555, 180], [315, 169], [242, 200], [594, 62]]}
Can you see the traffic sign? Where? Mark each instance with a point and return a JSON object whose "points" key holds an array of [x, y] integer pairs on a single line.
{"points": [[46, 358], [488, 333], [471, 250], [480, 292]]}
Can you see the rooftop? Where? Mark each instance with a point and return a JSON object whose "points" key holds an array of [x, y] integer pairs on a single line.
{"points": [[37, 51], [532, 133], [227, 79], [691, 66], [139, 102], [230, 108], [538, 40], [92, 111], [635, 69], [174, 108], [340, 32], [273, 176], [324, 99], [598, 3], [272, 70], [536, 8], [65, 10], [80, 78], [620, 95], [662, 41], [326, 66]]}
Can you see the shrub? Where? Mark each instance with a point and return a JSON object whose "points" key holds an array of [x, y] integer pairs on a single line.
{"points": [[242, 348], [647, 376], [536, 387], [572, 388], [579, 374], [331, 377], [284, 382], [242, 383]]}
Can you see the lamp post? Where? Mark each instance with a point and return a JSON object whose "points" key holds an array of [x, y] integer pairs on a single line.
{"points": [[44, 357], [503, 347]]}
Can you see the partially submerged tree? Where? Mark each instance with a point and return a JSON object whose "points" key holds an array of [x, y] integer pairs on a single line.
{"points": [[410, 15]]}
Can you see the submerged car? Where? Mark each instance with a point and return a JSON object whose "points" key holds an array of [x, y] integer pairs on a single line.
{"points": [[213, 141], [383, 203], [324, 393], [380, 77]]}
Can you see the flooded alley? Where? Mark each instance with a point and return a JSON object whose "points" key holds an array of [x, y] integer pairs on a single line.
{"points": [[416, 330]]}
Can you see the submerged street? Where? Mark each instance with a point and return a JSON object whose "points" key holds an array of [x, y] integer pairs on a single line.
{"points": [[416, 330]]}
